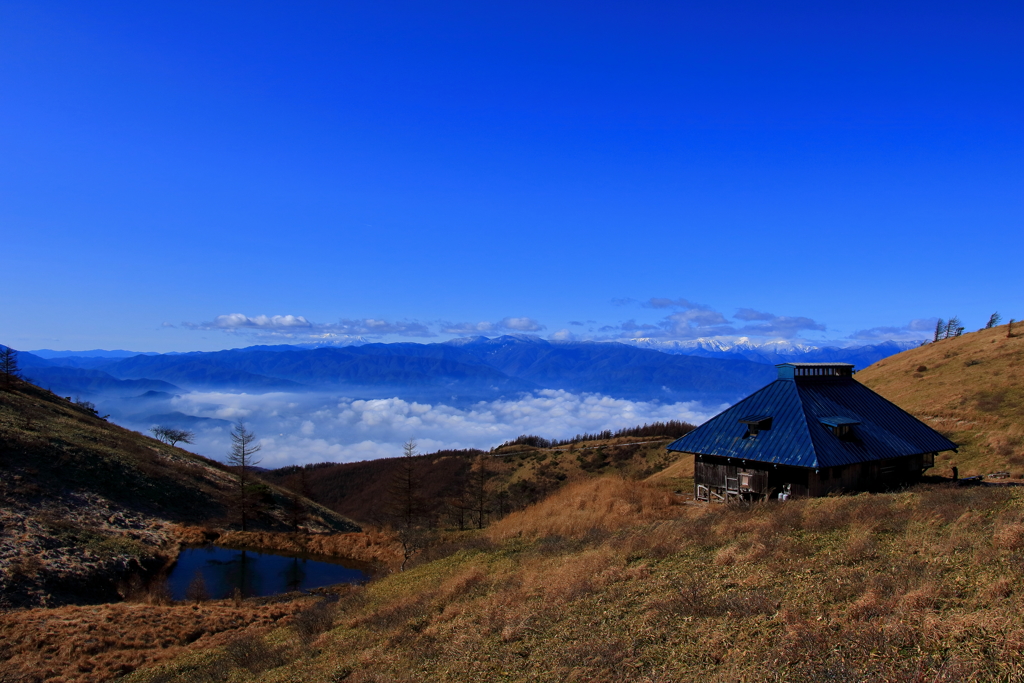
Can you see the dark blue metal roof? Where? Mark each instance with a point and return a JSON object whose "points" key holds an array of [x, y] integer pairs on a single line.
{"points": [[836, 420], [798, 437]]}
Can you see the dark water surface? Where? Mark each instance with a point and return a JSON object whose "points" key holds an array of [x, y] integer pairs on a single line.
{"points": [[255, 573]]}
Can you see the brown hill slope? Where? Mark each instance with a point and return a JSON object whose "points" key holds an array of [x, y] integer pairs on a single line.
{"points": [[83, 503], [516, 476], [614, 580], [970, 388]]}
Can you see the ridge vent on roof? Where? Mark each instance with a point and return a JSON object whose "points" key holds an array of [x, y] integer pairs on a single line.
{"points": [[803, 371]]}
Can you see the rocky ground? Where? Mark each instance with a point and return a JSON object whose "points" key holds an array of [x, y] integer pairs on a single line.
{"points": [[78, 547], [88, 510]]}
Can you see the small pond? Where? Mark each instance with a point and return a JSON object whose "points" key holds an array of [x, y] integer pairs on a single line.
{"points": [[256, 573]]}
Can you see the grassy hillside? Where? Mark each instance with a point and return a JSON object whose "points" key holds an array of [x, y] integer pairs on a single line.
{"points": [[516, 476], [970, 388], [612, 580], [615, 578], [84, 502], [360, 490]]}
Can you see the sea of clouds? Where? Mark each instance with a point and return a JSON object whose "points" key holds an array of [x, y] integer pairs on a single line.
{"points": [[307, 428]]}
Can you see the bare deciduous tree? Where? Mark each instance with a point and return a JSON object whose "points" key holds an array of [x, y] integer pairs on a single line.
{"points": [[172, 436], [196, 590], [407, 504], [478, 490], [242, 457], [406, 509], [298, 493], [88, 406], [457, 503], [413, 540]]}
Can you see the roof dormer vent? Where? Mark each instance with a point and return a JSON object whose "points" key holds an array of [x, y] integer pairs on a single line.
{"points": [[755, 424], [842, 427]]}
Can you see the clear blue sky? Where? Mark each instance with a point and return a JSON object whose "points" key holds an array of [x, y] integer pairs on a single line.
{"points": [[395, 169]]}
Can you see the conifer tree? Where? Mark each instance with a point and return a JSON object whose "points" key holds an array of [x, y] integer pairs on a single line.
{"points": [[952, 326], [242, 457], [939, 327], [9, 366], [993, 321]]}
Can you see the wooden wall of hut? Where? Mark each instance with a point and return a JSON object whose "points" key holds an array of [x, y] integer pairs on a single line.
{"points": [[720, 479]]}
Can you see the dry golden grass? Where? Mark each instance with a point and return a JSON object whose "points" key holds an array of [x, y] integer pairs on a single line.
{"points": [[584, 507], [546, 470], [971, 388], [372, 546], [677, 477], [98, 643], [627, 585], [612, 579]]}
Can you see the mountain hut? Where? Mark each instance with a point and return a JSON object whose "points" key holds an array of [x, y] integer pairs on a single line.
{"points": [[812, 431]]}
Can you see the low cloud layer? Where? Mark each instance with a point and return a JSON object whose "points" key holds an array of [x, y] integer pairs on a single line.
{"points": [[919, 328], [503, 326], [307, 428], [239, 321], [681, 319], [296, 328]]}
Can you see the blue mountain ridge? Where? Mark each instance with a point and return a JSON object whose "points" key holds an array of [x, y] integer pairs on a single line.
{"points": [[460, 370], [50, 354], [71, 381]]}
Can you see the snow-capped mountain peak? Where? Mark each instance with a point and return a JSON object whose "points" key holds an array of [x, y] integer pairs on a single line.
{"points": [[775, 351], [720, 346]]}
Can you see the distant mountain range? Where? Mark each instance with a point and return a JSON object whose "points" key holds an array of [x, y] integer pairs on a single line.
{"points": [[481, 369], [774, 352], [94, 353], [460, 370], [76, 381]]}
